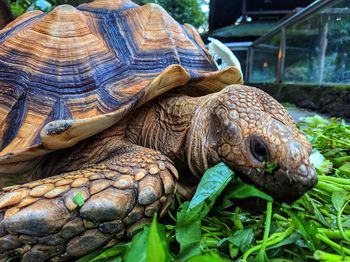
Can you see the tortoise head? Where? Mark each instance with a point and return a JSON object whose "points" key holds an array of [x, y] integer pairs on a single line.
{"points": [[256, 137]]}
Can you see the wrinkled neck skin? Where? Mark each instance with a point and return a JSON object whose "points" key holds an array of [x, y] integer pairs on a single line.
{"points": [[164, 124], [175, 124]]}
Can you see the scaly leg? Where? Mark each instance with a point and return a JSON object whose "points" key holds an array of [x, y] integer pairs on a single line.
{"points": [[41, 220]]}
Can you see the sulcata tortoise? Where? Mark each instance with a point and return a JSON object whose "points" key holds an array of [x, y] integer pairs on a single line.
{"points": [[106, 102]]}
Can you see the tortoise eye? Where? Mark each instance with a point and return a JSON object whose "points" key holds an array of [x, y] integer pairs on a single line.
{"points": [[259, 149]]}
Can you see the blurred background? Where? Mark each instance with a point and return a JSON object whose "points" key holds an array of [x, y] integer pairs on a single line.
{"points": [[296, 50]]}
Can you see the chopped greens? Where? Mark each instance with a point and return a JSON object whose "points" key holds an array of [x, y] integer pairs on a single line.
{"points": [[314, 228], [78, 199]]}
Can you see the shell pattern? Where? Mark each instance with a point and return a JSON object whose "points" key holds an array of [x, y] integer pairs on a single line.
{"points": [[88, 62]]}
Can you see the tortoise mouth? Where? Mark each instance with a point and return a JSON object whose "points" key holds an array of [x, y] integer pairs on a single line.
{"points": [[283, 185]]}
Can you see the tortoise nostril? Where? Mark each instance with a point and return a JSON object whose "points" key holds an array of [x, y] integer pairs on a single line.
{"points": [[295, 151], [303, 170]]}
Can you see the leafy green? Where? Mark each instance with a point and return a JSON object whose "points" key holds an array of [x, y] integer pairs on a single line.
{"points": [[213, 182], [242, 239], [271, 167], [339, 198], [149, 245], [157, 247], [214, 227], [188, 234], [207, 258], [138, 248], [242, 190], [102, 255], [188, 228], [78, 199]]}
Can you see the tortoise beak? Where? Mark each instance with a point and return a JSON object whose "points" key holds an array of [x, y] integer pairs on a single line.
{"points": [[283, 185], [286, 186]]}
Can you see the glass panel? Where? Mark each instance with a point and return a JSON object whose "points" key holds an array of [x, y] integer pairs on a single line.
{"points": [[264, 61], [318, 49], [337, 62]]}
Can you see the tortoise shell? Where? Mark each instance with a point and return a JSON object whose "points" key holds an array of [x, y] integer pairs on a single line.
{"points": [[71, 73]]}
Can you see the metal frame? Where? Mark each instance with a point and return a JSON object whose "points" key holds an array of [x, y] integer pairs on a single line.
{"points": [[298, 17], [239, 46], [304, 13], [281, 56]]}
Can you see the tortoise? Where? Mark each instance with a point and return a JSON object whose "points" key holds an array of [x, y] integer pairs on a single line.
{"points": [[107, 102]]}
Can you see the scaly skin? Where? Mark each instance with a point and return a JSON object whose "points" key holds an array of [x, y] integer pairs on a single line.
{"points": [[40, 220], [224, 126], [126, 174]]}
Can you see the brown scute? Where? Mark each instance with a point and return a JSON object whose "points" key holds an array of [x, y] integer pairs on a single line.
{"points": [[9, 242], [12, 198], [150, 189], [38, 219], [87, 242], [42, 253], [111, 227], [134, 215], [72, 228], [108, 204]]}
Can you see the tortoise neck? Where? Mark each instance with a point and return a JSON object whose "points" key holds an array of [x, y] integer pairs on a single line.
{"points": [[203, 136], [163, 124]]}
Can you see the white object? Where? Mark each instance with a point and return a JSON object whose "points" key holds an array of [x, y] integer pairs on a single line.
{"points": [[222, 55]]}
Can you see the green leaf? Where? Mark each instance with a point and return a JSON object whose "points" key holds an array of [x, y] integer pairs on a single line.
{"points": [[242, 239], [90, 256], [157, 248], [78, 199], [294, 237], [188, 228], [315, 121], [149, 245], [306, 228], [188, 235], [271, 167], [312, 208], [341, 160], [345, 169], [242, 190], [207, 258], [339, 198], [138, 249], [213, 182], [114, 251], [325, 167]]}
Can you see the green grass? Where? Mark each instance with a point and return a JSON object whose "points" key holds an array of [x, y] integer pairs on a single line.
{"points": [[315, 228]]}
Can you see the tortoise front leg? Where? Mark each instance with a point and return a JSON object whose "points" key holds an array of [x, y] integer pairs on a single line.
{"points": [[44, 219]]}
